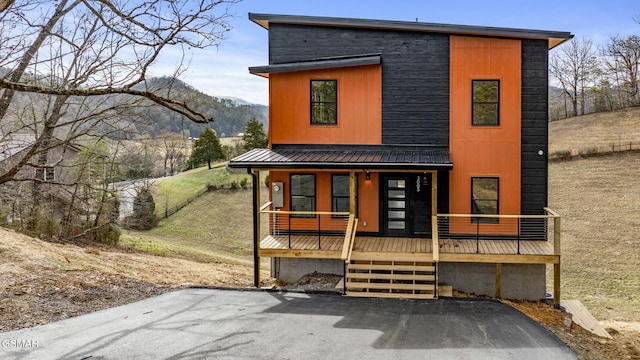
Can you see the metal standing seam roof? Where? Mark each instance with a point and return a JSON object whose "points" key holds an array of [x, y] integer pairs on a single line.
{"points": [[374, 157]]}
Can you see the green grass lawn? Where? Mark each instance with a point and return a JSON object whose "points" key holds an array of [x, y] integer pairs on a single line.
{"points": [[171, 191], [217, 226]]}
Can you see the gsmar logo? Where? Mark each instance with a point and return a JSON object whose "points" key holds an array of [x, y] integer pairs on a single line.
{"points": [[19, 343]]}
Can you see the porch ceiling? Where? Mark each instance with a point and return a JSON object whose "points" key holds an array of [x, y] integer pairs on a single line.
{"points": [[370, 157]]}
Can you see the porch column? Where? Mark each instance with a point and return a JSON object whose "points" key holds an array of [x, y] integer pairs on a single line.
{"points": [[255, 174], [352, 193], [435, 246]]}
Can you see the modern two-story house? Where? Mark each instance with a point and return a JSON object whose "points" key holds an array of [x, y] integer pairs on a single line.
{"points": [[407, 156]]}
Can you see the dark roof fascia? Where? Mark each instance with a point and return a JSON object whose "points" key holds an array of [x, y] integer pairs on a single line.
{"points": [[342, 166], [330, 165], [554, 38], [317, 64]]}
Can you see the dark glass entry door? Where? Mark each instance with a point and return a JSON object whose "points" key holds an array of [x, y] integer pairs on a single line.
{"points": [[406, 204]]}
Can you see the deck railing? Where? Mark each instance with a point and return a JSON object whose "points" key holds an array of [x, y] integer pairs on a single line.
{"points": [[288, 224], [479, 227], [349, 239]]}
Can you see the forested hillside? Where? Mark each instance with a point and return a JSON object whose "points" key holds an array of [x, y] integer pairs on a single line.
{"points": [[229, 116]]}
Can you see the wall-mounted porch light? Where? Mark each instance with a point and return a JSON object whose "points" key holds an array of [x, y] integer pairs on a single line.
{"points": [[367, 175]]}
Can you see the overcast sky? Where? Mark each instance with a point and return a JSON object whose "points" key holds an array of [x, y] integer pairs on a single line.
{"points": [[223, 71]]}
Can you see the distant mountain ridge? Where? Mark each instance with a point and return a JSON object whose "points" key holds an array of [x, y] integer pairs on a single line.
{"points": [[230, 114]]}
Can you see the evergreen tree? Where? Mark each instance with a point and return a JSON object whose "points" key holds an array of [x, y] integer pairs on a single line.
{"points": [[143, 217], [206, 149], [254, 136]]}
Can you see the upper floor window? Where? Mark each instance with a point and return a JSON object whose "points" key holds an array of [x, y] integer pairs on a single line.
{"points": [[486, 102], [324, 102], [485, 197], [303, 193], [46, 174], [340, 194]]}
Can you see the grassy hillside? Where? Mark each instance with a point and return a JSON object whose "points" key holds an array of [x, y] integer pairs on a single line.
{"points": [[600, 131], [600, 208], [171, 191], [217, 225]]}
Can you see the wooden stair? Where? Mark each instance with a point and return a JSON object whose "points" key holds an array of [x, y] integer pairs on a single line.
{"points": [[391, 276]]}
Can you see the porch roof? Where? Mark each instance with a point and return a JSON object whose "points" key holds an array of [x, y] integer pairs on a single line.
{"points": [[370, 157], [317, 64]]}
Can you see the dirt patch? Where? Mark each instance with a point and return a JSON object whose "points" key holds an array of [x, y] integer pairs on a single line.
{"points": [[624, 345], [43, 298], [313, 282], [41, 282]]}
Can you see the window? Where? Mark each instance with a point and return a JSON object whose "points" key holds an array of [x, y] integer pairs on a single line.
{"points": [[303, 193], [484, 197], [45, 174], [486, 102], [324, 102], [340, 198]]}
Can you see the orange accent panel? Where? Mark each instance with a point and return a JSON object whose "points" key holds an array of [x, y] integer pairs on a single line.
{"points": [[369, 203], [485, 151], [367, 198], [359, 107]]}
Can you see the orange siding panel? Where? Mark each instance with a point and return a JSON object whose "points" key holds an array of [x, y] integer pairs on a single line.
{"points": [[359, 107], [482, 150], [367, 198]]}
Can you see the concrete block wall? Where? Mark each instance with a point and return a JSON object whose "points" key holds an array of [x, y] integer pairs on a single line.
{"points": [[292, 269], [519, 281]]}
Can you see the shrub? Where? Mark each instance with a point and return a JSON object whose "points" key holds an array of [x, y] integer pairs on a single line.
{"points": [[143, 217], [234, 185], [563, 155], [244, 182], [590, 152], [108, 234]]}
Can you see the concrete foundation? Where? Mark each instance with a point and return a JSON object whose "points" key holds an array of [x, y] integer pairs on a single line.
{"points": [[292, 269], [519, 281]]}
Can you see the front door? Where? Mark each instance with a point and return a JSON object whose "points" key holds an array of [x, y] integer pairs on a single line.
{"points": [[406, 204]]}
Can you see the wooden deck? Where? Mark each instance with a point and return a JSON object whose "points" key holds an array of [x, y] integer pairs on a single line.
{"points": [[491, 251]]}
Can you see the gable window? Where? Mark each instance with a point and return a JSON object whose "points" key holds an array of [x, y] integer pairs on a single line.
{"points": [[340, 197], [45, 174], [485, 197], [486, 102], [324, 102], [303, 193]]}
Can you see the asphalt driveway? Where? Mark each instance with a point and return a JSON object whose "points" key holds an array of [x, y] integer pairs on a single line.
{"points": [[230, 324]]}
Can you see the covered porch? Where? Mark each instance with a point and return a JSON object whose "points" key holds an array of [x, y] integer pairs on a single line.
{"points": [[401, 253], [381, 261]]}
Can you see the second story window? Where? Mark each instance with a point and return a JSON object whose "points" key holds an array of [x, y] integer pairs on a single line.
{"points": [[324, 102], [486, 103]]}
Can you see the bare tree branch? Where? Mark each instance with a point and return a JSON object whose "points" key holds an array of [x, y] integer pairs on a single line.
{"points": [[179, 107]]}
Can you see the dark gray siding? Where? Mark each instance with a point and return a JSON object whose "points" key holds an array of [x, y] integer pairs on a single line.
{"points": [[415, 73], [534, 126]]}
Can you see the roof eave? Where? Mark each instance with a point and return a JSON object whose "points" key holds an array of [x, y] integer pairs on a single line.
{"points": [[339, 166], [317, 64], [554, 37]]}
